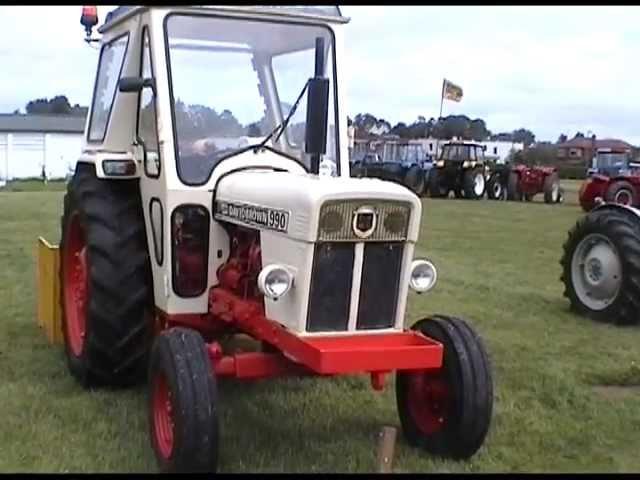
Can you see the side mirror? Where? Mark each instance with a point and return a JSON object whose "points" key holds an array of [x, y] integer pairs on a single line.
{"points": [[317, 112], [136, 84]]}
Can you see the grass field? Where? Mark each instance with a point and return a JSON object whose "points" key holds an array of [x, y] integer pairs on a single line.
{"points": [[498, 267]]}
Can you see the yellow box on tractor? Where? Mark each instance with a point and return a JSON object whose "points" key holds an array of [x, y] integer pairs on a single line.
{"points": [[49, 315]]}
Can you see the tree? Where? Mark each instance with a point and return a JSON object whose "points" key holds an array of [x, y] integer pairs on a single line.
{"points": [[522, 135], [58, 105], [579, 135], [562, 138]]}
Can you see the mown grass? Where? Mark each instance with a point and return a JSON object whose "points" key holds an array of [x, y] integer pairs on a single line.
{"points": [[498, 267]]}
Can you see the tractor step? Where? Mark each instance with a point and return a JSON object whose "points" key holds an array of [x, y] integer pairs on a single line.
{"points": [[49, 313]]}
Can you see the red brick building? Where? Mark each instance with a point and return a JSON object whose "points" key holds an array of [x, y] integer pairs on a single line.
{"points": [[581, 150]]}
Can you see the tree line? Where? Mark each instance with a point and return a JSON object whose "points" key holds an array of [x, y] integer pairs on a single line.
{"points": [[445, 128]]}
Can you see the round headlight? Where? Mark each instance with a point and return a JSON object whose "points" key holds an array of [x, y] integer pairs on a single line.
{"points": [[423, 276], [274, 281]]}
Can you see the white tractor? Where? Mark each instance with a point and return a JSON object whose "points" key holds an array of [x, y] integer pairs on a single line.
{"points": [[213, 197]]}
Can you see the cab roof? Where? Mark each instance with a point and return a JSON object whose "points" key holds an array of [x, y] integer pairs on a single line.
{"points": [[328, 13]]}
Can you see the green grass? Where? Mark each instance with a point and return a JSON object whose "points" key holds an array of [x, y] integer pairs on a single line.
{"points": [[34, 185], [498, 267]]}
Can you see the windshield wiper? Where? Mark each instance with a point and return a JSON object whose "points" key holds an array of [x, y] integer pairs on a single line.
{"points": [[281, 127]]}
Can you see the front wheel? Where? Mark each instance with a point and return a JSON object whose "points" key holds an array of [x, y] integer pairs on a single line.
{"points": [[448, 412], [437, 188], [621, 192], [183, 413], [495, 190], [551, 188], [601, 266]]}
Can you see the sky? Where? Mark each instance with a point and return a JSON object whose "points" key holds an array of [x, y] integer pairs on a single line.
{"points": [[550, 69]]}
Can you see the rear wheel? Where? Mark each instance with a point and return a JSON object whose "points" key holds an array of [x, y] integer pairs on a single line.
{"points": [[415, 181], [621, 192], [601, 266], [183, 412], [448, 412], [551, 188], [105, 280], [513, 187], [474, 183], [437, 189]]}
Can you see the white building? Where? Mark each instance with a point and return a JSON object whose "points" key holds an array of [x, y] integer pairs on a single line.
{"points": [[27, 142]]}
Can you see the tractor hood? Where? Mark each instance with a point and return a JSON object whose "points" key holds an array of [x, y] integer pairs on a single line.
{"points": [[291, 203]]}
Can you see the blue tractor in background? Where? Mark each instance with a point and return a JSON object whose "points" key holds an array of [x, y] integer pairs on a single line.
{"points": [[404, 163]]}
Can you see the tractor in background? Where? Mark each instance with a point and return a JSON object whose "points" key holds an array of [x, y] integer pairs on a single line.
{"points": [[620, 189], [460, 168], [525, 182], [178, 233], [402, 162]]}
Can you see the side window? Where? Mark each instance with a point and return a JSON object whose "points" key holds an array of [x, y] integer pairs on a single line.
{"points": [[109, 69], [147, 122], [471, 152]]}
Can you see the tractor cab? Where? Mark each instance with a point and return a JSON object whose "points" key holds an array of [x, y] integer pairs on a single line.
{"points": [[612, 162]]}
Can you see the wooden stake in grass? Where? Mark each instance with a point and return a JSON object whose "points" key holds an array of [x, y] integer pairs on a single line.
{"points": [[386, 447]]}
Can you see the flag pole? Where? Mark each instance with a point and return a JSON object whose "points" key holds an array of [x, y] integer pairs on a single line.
{"points": [[440, 116]]}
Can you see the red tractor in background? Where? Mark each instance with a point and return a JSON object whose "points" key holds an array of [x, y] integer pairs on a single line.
{"points": [[621, 189], [526, 182]]}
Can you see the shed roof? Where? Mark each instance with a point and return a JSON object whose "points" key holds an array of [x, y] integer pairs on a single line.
{"points": [[41, 123], [581, 142]]}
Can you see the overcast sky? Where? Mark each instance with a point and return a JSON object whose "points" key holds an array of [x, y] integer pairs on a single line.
{"points": [[550, 69]]}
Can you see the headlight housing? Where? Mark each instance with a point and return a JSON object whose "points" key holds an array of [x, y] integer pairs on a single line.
{"points": [[423, 276], [275, 281]]}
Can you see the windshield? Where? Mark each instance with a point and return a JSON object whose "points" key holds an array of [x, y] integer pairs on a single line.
{"points": [[234, 80], [611, 159], [455, 152]]}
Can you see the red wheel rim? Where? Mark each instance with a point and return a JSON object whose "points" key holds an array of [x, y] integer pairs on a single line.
{"points": [[163, 417], [428, 401], [623, 197], [75, 284]]}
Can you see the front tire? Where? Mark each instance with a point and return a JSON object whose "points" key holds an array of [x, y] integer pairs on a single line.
{"points": [[601, 267], [105, 280], [448, 412], [495, 190], [621, 192], [551, 188], [183, 413]]}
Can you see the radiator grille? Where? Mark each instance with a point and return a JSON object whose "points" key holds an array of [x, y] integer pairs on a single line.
{"points": [[336, 217], [379, 287], [330, 293]]}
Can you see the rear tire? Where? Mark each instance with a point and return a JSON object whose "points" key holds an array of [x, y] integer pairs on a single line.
{"points": [[513, 187], [415, 181], [436, 189], [107, 334], [621, 192], [183, 406], [448, 412], [551, 188], [474, 183], [614, 295]]}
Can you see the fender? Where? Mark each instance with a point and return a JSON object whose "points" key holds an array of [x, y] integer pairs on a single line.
{"points": [[631, 211]]}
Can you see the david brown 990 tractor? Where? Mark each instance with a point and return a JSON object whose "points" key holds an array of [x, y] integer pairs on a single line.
{"points": [[203, 207], [461, 168]]}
